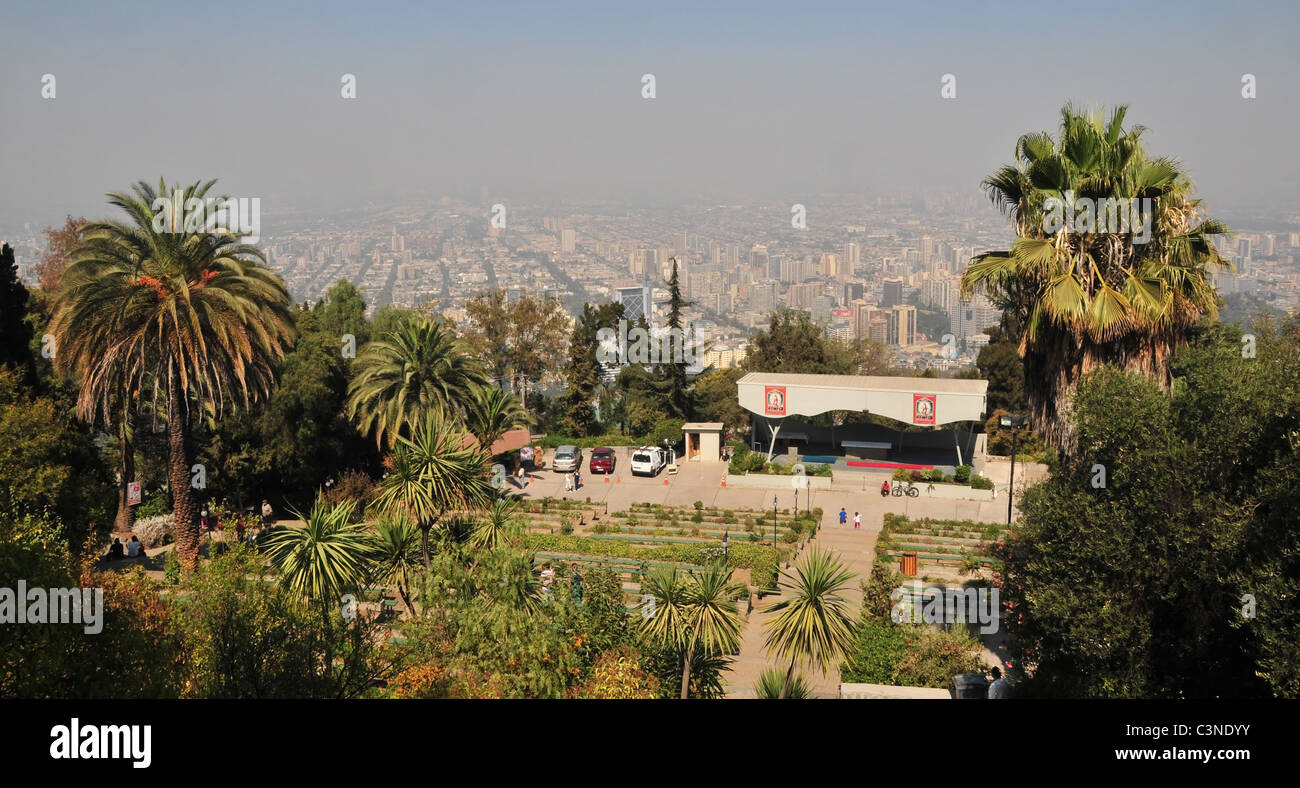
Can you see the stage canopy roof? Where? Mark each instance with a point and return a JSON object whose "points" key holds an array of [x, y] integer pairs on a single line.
{"points": [[919, 401]]}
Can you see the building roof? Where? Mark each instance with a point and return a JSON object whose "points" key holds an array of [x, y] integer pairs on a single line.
{"points": [[869, 382]]}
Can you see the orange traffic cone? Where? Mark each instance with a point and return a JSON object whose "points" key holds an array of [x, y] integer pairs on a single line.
{"points": [[724, 481], [606, 480], [665, 481], [618, 480]]}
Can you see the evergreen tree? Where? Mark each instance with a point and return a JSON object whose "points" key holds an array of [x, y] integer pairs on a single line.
{"points": [[585, 372], [15, 334], [672, 371]]}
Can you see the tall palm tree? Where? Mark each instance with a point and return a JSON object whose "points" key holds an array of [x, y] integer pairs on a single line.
{"points": [[1088, 296], [492, 413], [397, 556], [195, 308], [431, 473], [813, 625], [327, 557], [418, 367]]}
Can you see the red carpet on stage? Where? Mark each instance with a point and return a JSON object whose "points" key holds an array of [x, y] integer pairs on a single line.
{"points": [[868, 464]]}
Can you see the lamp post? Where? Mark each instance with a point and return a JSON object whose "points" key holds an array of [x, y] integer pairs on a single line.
{"points": [[1014, 423]]}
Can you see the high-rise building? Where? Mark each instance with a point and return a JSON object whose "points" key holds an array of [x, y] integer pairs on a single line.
{"points": [[801, 296], [764, 299], [974, 316], [830, 265], [636, 301], [774, 266], [893, 293], [901, 325], [852, 257], [758, 259], [568, 241], [852, 292], [927, 252]]}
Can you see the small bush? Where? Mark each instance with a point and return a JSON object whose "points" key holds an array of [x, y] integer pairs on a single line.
{"points": [[566, 527], [154, 531], [915, 476], [962, 476], [790, 536], [172, 568], [728, 516], [981, 483], [698, 505], [902, 475], [697, 518], [749, 525], [754, 537], [934, 475]]}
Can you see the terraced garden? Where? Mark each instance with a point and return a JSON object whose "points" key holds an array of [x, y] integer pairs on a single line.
{"points": [[570, 532], [946, 550]]}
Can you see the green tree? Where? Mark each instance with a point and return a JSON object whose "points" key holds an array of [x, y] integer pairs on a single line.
{"points": [[523, 338], [1086, 296], [197, 308], [396, 559], [584, 373], [401, 376], [813, 625], [1000, 364], [671, 371], [793, 343], [717, 393], [692, 616]]}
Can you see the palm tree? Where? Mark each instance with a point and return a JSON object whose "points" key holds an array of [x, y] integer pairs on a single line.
{"points": [[418, 367], [432, 472], [711, 617], [326, 558], [492, 413], [1086, 296], [699, 614], [397, 555], [195, 308], [497, 524], [814, 626]]}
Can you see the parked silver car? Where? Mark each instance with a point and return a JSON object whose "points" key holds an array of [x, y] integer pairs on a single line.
{"points": [[567, 459]]}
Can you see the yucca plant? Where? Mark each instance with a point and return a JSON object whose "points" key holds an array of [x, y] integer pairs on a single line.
{"points": [[772, 680], [432, 472], [692, 614], [326, 558], [396, 559], [1085, 297], [813, 625], [497, 524]]}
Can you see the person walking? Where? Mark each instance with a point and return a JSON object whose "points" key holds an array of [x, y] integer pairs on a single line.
{"points": [[857, 520], [577, 479], [844, 518], [568, 482]]}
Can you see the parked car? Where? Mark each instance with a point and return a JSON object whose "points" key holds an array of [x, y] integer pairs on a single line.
{"points": [[648, 461], [602, 460], [567, 459]]}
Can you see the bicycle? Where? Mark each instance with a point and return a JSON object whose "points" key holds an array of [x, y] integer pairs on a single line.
{"points": [[905, 488]]}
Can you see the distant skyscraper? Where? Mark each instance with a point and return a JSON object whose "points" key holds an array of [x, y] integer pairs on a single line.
{"points": [[927, 252], [774, 264], [901, 325], [852, 257], [852, 292], [893, 293], [568, 241], [758, 259]]}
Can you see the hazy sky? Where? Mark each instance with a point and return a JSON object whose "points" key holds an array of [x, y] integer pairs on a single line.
{"points": [[755, 100]]}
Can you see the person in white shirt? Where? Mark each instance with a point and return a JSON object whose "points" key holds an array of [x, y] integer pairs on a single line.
{"points": [[133, 547], [999, 689]]}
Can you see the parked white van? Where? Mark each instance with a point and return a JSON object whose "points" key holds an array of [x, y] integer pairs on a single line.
{"points": [[648, 461]]}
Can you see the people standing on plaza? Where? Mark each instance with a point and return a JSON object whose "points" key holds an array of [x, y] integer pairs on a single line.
{"points": [[857, 520], [568, 482], [577, 479], [844, 517]]}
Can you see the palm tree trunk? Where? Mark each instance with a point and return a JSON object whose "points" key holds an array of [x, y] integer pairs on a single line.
{"points": [[785, 685], [184, 524], [686, 671], [424, 545], [125, 519]]}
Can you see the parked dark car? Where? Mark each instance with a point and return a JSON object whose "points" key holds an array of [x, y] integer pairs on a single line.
{"points": [[602, 460]]}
